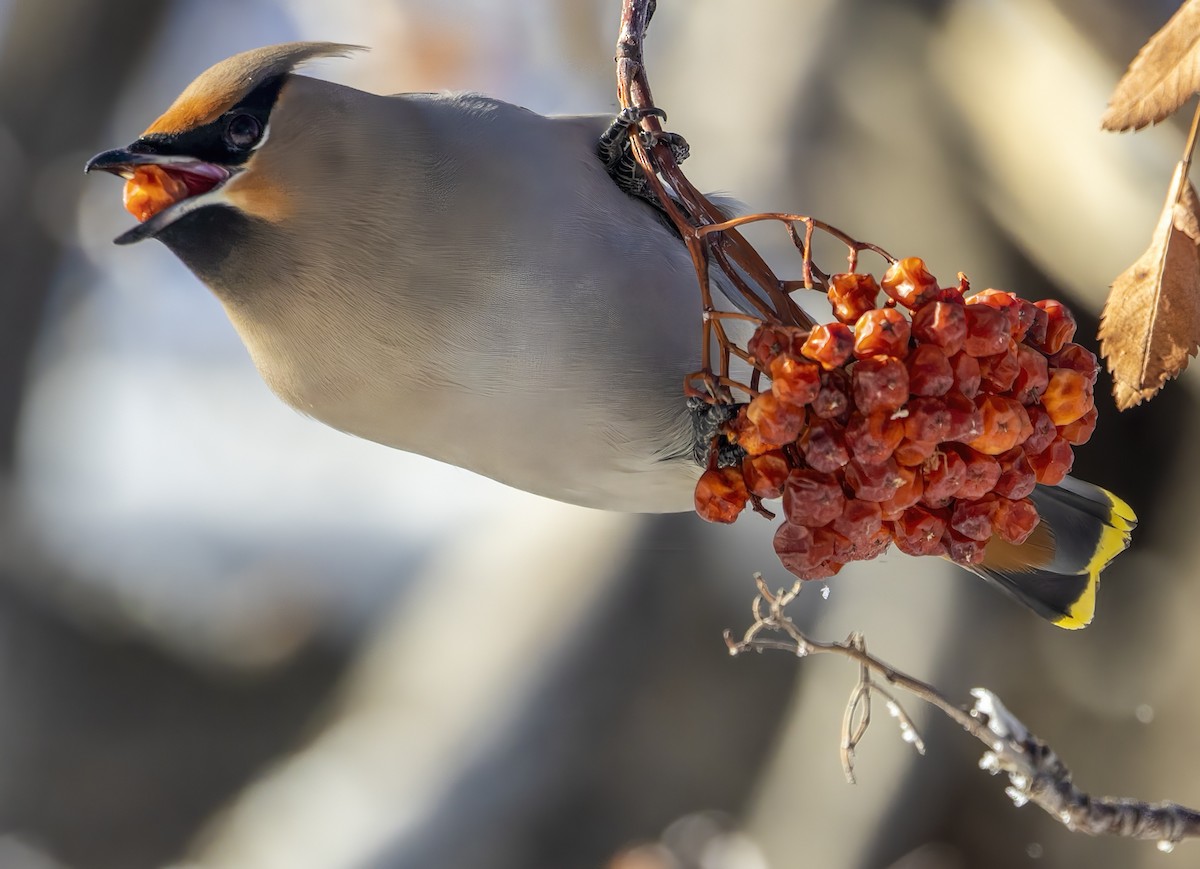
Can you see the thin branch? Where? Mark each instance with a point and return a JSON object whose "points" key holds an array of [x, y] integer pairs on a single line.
{"points": [[1189, 147], [712, 238], [1035, 772]]}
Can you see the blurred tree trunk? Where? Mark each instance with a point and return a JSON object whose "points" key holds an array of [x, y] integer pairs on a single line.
{"points": [[48, 111]]}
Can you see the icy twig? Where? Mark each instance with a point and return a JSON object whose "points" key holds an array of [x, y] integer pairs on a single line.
{"points": [[1035, 772]]}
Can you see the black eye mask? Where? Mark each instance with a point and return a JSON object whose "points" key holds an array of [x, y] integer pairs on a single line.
{"points": [[212, 142]]}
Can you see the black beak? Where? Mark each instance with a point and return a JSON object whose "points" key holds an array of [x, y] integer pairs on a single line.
{"points": [[119, 161], [122, 162]]}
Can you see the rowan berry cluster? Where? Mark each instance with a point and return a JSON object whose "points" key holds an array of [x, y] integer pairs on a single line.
{"points": [[929, 431]]}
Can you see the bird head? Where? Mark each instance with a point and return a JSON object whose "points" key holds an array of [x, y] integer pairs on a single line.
{"points": [[205, 151]]}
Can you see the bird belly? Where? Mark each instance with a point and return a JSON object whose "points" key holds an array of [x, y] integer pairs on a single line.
{"points": [[590, 456]]}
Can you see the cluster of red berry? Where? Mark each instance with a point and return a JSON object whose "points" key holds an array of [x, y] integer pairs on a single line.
{"points": [[929, 432]]}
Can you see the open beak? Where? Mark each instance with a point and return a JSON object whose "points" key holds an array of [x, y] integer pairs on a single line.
{"points": [[120, 161], [159, 188]]}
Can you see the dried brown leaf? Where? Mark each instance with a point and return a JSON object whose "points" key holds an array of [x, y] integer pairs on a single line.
{"points": [[1165, 73], [1151, 321]]}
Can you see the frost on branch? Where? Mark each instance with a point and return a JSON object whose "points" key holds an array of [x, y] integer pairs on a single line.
{"points": [[1035, 772]]}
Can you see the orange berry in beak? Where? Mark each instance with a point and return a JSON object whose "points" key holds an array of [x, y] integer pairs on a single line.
{"points": [[150, 190]]}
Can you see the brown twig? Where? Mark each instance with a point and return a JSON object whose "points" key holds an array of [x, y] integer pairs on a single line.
{"points": [[1189, 147], [711, 237], [686, 206], [1035, 772]]}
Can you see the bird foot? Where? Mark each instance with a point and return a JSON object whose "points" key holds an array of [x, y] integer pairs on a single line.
{"points": [[617, 155], [708, 423]]}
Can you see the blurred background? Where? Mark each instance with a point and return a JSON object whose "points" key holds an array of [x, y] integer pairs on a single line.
{"points": [[230, 637]]}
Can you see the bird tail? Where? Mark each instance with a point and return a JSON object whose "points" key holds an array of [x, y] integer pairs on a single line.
{"points": [[1055, 572]]}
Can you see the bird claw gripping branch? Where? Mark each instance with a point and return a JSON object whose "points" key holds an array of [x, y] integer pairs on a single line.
{"points": [[618, 158]]}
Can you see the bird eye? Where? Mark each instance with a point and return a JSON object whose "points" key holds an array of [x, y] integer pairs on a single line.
{"points": [[242, 131]]}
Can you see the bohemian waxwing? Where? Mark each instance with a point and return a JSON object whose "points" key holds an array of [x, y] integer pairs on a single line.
{"points": [[459, 277]]}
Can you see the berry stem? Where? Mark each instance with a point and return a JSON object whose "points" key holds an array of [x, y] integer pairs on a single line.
{"points": [[714, 385], [710, 236], [1189, 148]]}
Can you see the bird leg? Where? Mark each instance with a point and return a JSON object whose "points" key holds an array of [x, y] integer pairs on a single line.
{"points": [[614, 151], [709, 443]]}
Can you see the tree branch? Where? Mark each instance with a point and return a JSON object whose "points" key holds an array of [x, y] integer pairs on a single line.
{"points": [[710, 235], [1035, 772]]}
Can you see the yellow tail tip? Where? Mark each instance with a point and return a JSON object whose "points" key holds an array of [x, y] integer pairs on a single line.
{"points": [[1083, 609], [1114, 539]]}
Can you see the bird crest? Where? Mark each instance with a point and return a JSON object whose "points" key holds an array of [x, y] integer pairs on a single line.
{"points": [[223, 85]]}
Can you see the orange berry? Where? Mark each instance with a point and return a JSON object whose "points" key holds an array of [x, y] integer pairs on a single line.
{"points": [[874, 545], [769, 341], [875, 482], [1017, 479], [988, 331], [1079, 359], [872, 437], [843, 547], [1006, 303], [852, 295], [1032, 376], [944, 473], [919, 531], [963, 550], [882, 331], [929, 420], [958, 293], [745, 434], [151, 189], [1004, 423], [794, 381], [765, 475], [1060, 325], [1068, 396], [1035, 322], [777, 423], [1053, 463], [860, 520], [982, 472], [1043, 430], [998, 372], [880, 383], [912, 453], [823, 445], [943, 324], [973, 519], [907, 494], [804, 551], [721, 495], [1080, 431], [929, 371], [812, 498], [1016, 519], [1026, 317], [833, 400], [967, 374], [829, 344], [966, 422], [909, 282]]}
